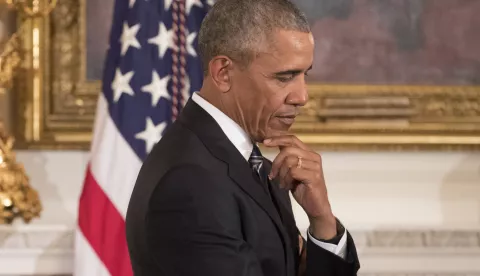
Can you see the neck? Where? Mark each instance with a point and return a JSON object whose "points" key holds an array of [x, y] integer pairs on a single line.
{"points": [[225, 104]]}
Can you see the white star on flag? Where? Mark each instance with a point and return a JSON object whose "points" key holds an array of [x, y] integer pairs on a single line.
{"points": [[158, 88], [152, 134], [190, 49], [186, 89], [121, 84], [163, 40], [129, 37], [167, 5], [190, 3]]}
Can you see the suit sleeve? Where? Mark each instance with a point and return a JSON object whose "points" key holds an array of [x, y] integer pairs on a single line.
{"points": [[320, 261], [315, 260], [192, 228]]}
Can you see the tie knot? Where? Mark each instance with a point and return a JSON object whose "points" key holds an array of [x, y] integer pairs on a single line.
{"points": [[256, 158]]}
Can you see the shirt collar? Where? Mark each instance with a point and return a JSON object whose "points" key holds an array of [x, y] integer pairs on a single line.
{"points": [[232, 130]]}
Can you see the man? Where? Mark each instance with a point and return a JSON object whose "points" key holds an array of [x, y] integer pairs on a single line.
{"points": [[206, 202]]}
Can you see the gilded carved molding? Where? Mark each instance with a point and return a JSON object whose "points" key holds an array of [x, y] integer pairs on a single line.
{"points": [[418, 239], [66, 100], [62, 238], [397, 245], [391, 117], [73, 97]]}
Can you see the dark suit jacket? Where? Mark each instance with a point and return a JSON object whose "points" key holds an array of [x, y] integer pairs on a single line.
{"points": [[197, 209]]}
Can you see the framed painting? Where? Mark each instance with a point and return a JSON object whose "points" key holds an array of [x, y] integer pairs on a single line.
{"points": [[387, 74], [395, 74], [8, 61], [56, 99]]}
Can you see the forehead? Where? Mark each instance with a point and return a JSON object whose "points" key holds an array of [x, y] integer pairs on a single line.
{"points": [[286, 48]]}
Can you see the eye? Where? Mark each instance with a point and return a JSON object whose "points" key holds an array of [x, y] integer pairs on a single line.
{"points": [[285, 78]]}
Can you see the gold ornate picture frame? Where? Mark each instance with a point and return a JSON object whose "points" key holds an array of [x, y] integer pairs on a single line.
{"points": [[391, 117], [55, 101]]}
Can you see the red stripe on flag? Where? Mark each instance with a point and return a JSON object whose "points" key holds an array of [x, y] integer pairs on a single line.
{"points": [[104, 228]]}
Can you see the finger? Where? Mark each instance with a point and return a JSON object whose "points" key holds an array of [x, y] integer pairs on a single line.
{"points": [[300, 244], [280, 159], [293, 161], [286, 179], [309, 165], [304, 176], [289, 182], [285, 166], [292, 180], [295, 152], [285, 141]]}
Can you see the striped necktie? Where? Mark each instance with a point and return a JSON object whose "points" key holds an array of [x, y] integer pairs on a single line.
{"points": [[256, 162]]}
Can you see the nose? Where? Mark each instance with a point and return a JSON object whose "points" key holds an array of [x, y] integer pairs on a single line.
{"points": [[299, 95]]}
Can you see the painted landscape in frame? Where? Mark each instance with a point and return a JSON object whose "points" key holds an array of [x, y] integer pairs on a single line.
{"points": [[395, 42], [99, 21], [388, 74], [393, 74]]}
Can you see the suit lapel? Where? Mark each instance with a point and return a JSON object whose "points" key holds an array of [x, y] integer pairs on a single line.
{"points": [[281, 197], [206, 128], [243, 176], [283, 200]]}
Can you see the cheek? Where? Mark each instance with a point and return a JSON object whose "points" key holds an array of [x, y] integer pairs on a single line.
{"points": [[268, 99], [278, 97], [273, 105]]}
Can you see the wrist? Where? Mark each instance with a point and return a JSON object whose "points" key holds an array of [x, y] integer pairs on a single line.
{"points": [[324, 228]]}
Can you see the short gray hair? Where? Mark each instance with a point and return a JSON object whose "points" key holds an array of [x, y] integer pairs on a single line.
{"points": [[236, 27]]}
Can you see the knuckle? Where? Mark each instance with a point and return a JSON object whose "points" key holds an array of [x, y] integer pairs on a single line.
{"points": [[286, 151], [276, 161], [293, 171], [291, 160], [291, 150]]}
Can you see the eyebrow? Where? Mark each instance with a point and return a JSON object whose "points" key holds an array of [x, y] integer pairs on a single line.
{"points": [[292, 71]]}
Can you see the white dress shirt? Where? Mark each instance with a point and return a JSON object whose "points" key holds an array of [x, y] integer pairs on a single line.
{"points": [[243, 143]]}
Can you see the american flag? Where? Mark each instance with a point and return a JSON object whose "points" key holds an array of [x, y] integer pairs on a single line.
{"points": [[151, 69]]}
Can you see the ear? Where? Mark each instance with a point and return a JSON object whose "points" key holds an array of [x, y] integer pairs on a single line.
{"points": [[221, 68]]}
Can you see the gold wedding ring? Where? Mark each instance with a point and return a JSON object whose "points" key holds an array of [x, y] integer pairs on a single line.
{"points": [[299, 163]]}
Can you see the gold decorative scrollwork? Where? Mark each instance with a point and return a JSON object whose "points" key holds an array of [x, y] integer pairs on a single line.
{"points": [[341, 117], [10, 59], [32, 8], [17, 197], [451, 106]]}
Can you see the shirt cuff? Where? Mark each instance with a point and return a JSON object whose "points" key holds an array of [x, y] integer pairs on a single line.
{"points": [[339, 250]]}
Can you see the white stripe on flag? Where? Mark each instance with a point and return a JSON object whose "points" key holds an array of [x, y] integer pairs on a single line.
{"points": [[86, 260], [114, 164]]}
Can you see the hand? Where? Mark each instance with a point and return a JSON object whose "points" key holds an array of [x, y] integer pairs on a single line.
{"points": [[299, 169]]}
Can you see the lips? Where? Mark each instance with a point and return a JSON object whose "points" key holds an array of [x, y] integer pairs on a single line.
{"points": [[287, 119]]}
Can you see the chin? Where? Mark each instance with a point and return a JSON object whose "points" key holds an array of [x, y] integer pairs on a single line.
{"points": [[277, 132], [274, 130]]}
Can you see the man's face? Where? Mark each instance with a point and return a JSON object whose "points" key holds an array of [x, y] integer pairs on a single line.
{"points": [[269, 93]]}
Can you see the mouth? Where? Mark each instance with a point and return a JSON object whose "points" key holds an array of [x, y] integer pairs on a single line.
{"points": [[287, 119]]}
